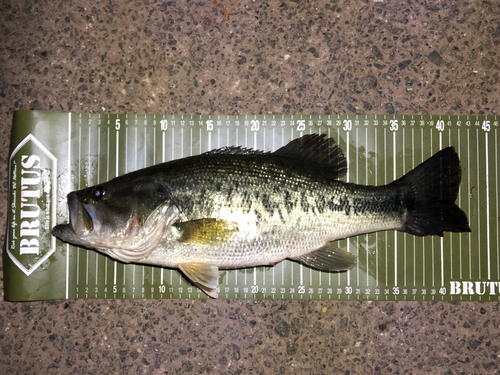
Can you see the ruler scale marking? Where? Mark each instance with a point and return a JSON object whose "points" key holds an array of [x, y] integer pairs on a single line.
{"points": [[487, 194], [441, 241], [478, 206], [497, 197]]}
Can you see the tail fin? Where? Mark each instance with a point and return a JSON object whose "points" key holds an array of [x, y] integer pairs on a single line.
{"points": [[429, 193]]}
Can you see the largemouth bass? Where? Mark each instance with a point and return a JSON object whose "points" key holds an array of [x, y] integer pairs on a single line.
{"points": [[235, 207]]}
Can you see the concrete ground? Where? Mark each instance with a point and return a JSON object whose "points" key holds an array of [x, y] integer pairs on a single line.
{"points": [[288, 56]]}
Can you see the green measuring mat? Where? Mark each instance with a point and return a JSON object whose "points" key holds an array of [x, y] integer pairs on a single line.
{"points": [[52, 154]]}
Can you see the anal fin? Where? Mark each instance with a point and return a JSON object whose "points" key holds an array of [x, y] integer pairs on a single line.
{"points": [[328, 258], [204, 276]]}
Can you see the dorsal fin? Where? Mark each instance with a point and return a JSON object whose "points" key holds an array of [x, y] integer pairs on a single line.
{"points": [[318, 151], [234, 150]]}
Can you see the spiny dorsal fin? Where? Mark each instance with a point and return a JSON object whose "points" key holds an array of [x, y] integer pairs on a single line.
{"points": [[234, 150], [318, 151]]}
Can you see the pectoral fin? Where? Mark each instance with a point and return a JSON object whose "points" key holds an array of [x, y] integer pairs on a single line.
{"points": [[206, 231], [202, 275], [328, 258]]}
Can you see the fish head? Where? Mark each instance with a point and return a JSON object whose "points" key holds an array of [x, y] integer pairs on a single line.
{"points": [[122, 218]]}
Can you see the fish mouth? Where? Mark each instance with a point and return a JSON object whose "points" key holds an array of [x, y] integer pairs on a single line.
{"points": [[81, 221]]}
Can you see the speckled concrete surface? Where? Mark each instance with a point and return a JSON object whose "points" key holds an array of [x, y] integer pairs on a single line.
{"points": [[352, 56]]}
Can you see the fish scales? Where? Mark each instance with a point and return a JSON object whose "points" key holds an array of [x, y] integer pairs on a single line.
{"points": [[234, 207], [274, 192]]}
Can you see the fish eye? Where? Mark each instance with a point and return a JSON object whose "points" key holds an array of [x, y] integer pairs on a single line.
{"points": [[98, 193]]}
